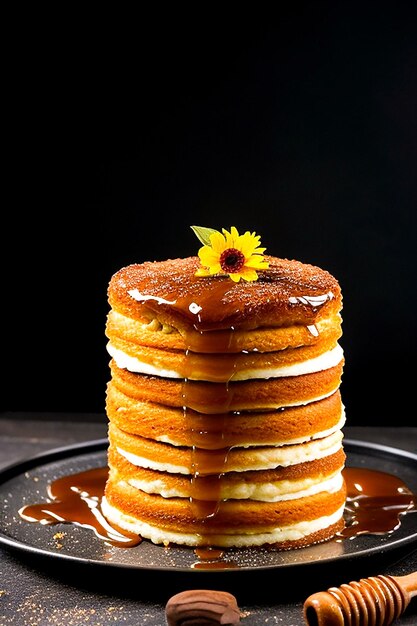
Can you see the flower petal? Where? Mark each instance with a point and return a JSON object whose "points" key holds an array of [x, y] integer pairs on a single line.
{"points": [[248, 274], [229, 239], [247, 244], [202, 271], [218, 242], [208, 256], [257, 261], [235, 237]]}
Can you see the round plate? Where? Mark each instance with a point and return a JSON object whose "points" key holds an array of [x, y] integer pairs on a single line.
{"points": [[26, 483]]}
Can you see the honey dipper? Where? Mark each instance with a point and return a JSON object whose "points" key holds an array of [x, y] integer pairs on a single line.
{"points": [[374, 601]]}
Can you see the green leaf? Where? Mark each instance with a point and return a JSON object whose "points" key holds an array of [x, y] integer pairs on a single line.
{"points": [[203, 234]]}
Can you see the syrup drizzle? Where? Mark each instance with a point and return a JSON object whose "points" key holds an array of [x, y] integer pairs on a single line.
{"points": [[209, 451], [198, 307]]}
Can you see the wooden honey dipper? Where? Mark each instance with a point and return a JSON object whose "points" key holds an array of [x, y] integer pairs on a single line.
{"points": [[374, 601]]}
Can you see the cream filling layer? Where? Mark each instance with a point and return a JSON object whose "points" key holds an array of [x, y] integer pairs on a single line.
{"points": [[294, 532], [253, 458], [264, 492], [329, 359]]}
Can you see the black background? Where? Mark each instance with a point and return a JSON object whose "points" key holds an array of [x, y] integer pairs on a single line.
{"points": [[122, 131]]}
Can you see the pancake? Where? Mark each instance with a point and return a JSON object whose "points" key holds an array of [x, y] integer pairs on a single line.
{"points": [[288, 293], [279, 483], [150, 332], [244, 366], [233, 523], [160, 422], [182, 459], [224, 405], [206, 397]]}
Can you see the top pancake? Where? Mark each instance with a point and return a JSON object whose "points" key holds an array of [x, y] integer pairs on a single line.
{"points": [[287, 293]]}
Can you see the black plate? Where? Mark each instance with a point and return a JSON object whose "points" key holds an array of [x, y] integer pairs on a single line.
{"points": [[26, 483]]}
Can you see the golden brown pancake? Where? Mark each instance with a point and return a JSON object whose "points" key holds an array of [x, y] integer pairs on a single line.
{"points": [[231, 521], [277, 483], [153, 333], [191, 428], [208, 397], [182, 459], [288, 293]]}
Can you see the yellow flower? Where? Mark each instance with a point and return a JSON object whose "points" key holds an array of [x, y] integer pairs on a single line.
{"points": [[238, 256]]}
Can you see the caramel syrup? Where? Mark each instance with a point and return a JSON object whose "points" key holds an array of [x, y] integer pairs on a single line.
{"points": [[199, 302], [76, 500], [209, 451], [375, 502], [212, 558]]}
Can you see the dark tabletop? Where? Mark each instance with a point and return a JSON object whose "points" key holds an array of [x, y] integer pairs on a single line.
{"points": [[36, 590]]}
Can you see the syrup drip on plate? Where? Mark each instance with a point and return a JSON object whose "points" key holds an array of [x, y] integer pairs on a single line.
{"points": [[76, 499], [375, 502], [212, 558]]}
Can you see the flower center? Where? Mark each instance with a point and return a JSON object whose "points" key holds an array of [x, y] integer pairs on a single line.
{"points": [[232, 260]]}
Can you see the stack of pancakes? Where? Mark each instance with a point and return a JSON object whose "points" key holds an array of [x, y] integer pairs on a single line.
{"points": [[224, 407]]}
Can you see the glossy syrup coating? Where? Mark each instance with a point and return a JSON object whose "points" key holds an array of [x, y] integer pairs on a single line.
{"points": [[288, 292]]}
